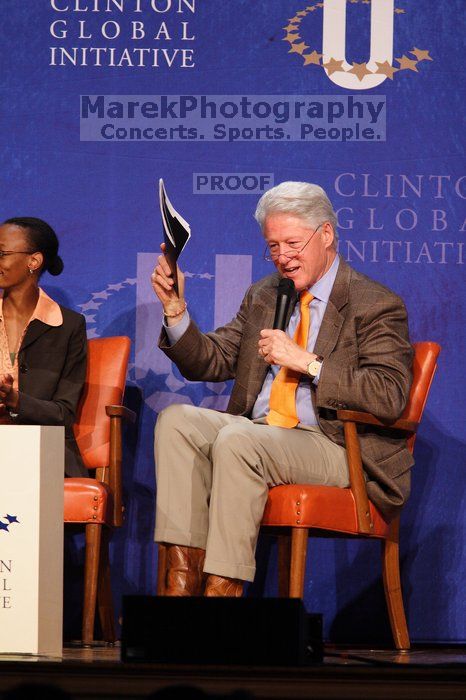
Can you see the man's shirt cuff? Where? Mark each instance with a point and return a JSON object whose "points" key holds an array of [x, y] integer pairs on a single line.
{"points": [[175, 332]]}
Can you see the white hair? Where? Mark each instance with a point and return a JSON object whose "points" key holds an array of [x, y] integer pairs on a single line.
{"points": [[302, 199]]}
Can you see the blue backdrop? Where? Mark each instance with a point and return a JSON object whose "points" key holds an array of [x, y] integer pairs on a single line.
{"points": [[399, 192]]}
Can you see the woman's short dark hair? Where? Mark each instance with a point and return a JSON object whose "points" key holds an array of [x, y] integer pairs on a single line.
{"points": [[42, 239]]}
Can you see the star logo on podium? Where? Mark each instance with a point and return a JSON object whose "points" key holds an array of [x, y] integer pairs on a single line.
{"points": [[11, 520]]}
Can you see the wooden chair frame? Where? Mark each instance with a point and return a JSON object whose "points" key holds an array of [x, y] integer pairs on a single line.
{"points": [[292, 545], [96, 503], [97, 580]]}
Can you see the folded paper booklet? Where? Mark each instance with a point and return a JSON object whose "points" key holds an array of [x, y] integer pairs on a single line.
{"points": [[176, 231]]}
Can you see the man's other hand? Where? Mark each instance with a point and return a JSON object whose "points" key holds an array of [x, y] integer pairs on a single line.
{"points": [[276, 348]]}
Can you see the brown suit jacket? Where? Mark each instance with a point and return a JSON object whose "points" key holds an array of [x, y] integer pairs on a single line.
{"points": [[367, 367], [52, 370]]}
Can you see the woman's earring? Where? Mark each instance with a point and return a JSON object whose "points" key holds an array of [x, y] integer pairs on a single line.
{"points": [[31, 271]]}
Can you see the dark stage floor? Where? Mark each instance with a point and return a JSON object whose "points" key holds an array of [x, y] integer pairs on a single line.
{"points": [[345, 673]]}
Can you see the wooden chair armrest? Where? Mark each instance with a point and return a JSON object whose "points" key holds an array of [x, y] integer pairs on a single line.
{"points": [[121, 412], [408, 426], [356, 473], [356, 478], [116, 413]]}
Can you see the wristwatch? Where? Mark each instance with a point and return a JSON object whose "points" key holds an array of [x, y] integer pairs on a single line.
{"points": [[313, 367]]}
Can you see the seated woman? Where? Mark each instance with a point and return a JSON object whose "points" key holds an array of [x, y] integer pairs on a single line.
{"points": [[42, 345]]}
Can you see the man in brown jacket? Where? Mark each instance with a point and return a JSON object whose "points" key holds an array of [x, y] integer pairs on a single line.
{"points": [[350, 349]]}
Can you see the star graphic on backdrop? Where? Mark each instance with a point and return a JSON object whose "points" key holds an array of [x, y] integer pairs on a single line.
{"points": [[294, 19], [130, 280], [360, 70], [320, 4], [206, 276], [421, 55], [303, 13], [100, 295], [3, 526], [291, 28], [387, 69], [333, 66], [90, 319], [12, 518], [298, 48], [115, 287], [313, 57], [407, 63], [399, 12], [90, 305], [354, 1], [312, 8], [291, 37]]}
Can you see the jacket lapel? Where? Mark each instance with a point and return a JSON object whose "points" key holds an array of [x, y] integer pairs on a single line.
{"points": [[35, 329], [333, 319]]}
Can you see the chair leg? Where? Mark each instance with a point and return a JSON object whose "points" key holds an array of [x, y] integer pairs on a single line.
{"points": [[104, 592], [161, 568], [392, 588], [284, 565], [91, 572], [299, 537]]}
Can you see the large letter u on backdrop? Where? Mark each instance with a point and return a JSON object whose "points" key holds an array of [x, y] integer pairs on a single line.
{"points": [[334, 42]]}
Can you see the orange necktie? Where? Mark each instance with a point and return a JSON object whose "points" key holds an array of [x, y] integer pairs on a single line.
{"points": [[283, 392]]}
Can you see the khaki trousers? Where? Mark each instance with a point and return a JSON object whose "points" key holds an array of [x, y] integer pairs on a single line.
{"points": [[214, 471]]}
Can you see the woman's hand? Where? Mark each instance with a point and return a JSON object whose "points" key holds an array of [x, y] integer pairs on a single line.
{"points": [[8, 395], [162, 281], [277, 348]]}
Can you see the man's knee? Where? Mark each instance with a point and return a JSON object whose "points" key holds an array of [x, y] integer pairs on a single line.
{"points": [[169, 416], [174, 416], [237, 438]]}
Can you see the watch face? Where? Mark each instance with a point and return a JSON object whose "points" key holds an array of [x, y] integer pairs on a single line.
{"points": [[313, 368]]}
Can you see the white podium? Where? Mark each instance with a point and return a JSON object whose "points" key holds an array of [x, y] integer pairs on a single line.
{"points": [[31, 539]]}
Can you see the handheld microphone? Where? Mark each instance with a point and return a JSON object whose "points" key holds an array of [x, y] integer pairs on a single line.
{"points": [[286, 293]]}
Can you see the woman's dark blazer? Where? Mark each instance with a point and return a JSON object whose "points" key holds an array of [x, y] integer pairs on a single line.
{"points": [[51, 374]]}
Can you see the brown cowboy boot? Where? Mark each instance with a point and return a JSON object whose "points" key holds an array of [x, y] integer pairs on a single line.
{"points": [[219, 586], [184, 570]]}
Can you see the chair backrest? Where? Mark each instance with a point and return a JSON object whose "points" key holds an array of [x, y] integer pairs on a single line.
{"points": [[424, 367], [107, 363]]}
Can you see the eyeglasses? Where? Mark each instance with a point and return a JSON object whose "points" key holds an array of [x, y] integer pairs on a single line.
{"points": [[3, 253], [293, 251]]}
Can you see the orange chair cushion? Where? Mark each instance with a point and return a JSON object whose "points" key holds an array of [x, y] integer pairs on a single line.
{"points": [[320, 507], [87, 501]]}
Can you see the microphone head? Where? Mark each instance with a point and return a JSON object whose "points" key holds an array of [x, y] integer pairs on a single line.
{"points": [[285, 294], [286, 286]]}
